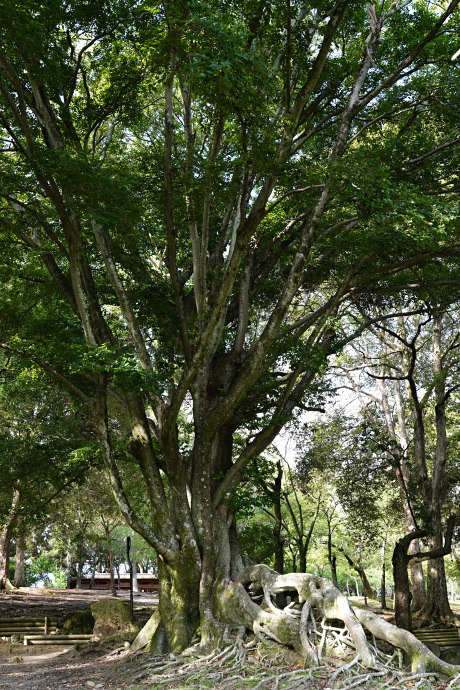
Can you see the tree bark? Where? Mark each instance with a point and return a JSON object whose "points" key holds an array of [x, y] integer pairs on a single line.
{"points": [[110, 552], [383, 600], [437, 607], [5, 540], [19, 575], [68, 574], [401, 582], [403, 596], [179, 600], [278, 541]]}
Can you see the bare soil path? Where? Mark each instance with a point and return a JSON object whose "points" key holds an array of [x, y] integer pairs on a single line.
{"points": [[57, 668]]}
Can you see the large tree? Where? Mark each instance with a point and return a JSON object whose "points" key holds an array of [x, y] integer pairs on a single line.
{"points": [[198, 190]]}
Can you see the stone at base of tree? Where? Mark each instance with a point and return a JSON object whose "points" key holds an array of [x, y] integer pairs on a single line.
{"points": [[436, 649], [113, 619], [451, 655], [145, 635], [79, 622]]}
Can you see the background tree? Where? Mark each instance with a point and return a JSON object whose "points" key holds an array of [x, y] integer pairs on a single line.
{"points": [[417, 358], [42, 452]]}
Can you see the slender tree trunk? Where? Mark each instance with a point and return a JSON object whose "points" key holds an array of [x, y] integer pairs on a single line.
{"points": [[383, 600], [418, 581], [302, 558], [110, 552], [278, 541], [68, 575], [80, 563], [333, 564], [96, 562], [82, 524], [368, 590]]}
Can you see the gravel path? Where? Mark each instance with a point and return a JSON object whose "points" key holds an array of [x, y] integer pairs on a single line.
{"points": [[45, 668], [56, 670]]}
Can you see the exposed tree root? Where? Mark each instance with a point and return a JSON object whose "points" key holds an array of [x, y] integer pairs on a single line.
{"points": [[235, 664], [318, 623], [307, 592], [422, 659]]}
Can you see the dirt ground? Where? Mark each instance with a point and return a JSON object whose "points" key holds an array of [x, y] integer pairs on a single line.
{"points": [[61, 668]]}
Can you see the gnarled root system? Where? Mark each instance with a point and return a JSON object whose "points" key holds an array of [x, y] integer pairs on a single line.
{"points": [[314, 618]]}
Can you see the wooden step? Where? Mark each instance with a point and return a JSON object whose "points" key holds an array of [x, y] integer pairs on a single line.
{"points": [[56, 639], [38, 621], [19, 630], [447, 637], [19, 624], [27, 631]]}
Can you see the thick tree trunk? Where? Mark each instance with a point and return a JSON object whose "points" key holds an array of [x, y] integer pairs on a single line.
{"points": [[418, 583], [403, 596], [5, 541], [179, 601], [437, 608], [19, 575]]}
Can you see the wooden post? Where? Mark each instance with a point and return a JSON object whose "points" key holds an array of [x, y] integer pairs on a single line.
{"points": [[46, 625], [131, 600]]}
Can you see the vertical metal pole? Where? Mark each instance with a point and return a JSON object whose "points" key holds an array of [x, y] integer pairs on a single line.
{"points": [[131, 598]]}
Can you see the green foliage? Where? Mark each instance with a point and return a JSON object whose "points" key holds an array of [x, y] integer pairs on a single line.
{"points": [[43, 570], [256, 540]]}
